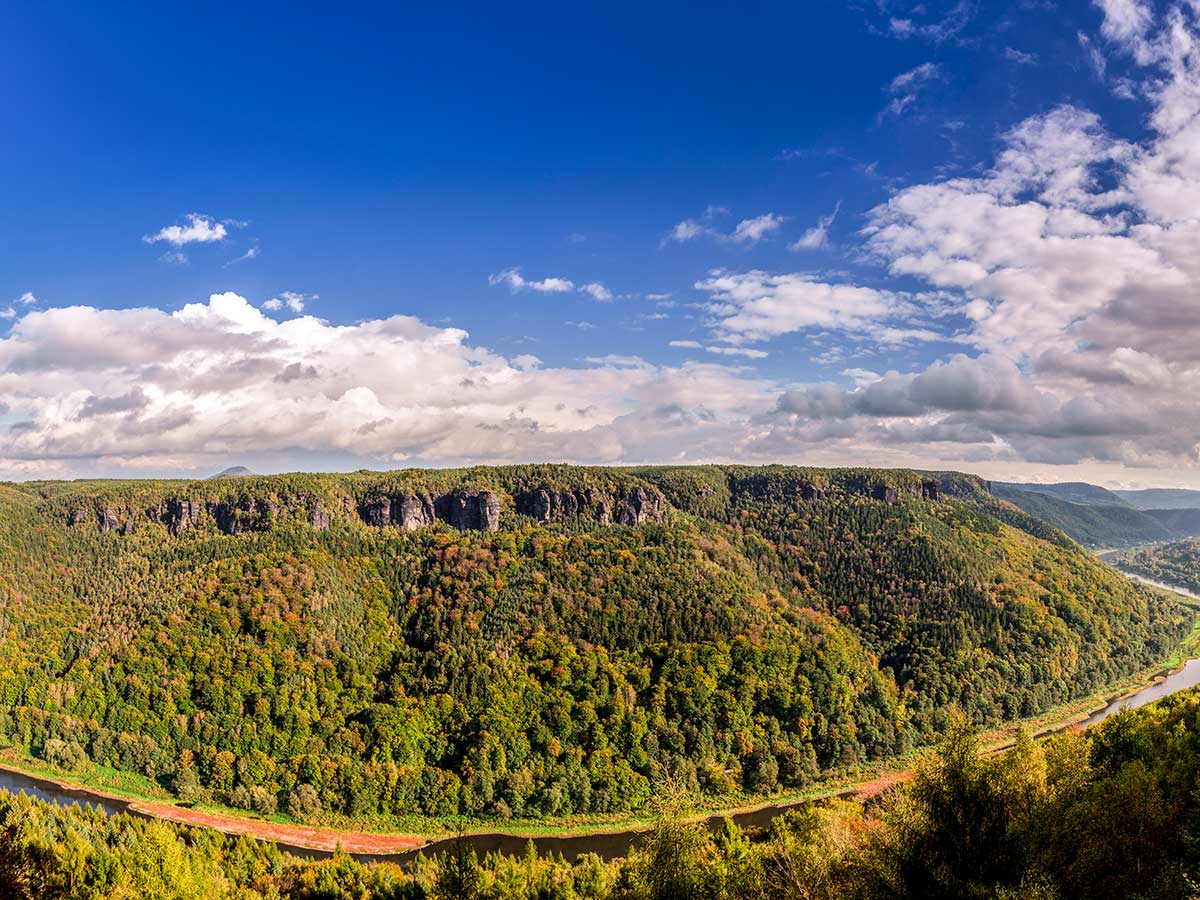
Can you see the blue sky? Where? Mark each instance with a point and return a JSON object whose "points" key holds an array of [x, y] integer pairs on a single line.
{"points": [[694, 194]]}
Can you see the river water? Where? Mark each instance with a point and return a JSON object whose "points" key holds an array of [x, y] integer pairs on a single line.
{"points": [[606, 845]]}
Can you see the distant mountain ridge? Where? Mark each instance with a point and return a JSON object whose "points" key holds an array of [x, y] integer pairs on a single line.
{"points": [[1097, 517], [1079, 492], [233, 472], [1161, 498], [1090, 525]]}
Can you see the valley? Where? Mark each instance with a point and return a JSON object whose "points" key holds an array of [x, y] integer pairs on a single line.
{"points": [[537, 645]]}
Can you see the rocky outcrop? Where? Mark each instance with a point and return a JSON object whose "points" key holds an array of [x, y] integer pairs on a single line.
{"points": [[625, 506], [636, 505], [889, 494], [248, 514], [469, 510], [548, 505], [413, 511], [110, 521], [378, 512], [318, 518], [929, 489], [463, 509], [180, 515]]}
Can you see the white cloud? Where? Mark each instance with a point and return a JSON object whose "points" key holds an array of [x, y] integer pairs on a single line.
{"points": [[200, 229], [752, 230], [689, 230], [1094, 56], [747, 231], [291, 299], [1127, 24], [27, 299], [686, 345], [127, 389], [596, 291], [913, 78], [516, 282], [251, 253], [907, 86], [1020, 57], [920, 23], [817, 236], [747, 352], [756, 306]]}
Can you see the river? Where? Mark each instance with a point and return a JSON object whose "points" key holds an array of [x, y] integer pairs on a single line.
{"points": [[1179, 680], [607, 845]]}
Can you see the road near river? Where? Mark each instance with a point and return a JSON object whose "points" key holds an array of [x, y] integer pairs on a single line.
{"points": [[366, 846]]}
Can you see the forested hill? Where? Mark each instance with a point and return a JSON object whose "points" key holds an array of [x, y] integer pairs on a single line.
{"points": [[536, 641], [1176, 564], [1096, 517]]}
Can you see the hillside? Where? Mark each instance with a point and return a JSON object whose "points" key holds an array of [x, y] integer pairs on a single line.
{"points": [[535, 641], [1091, 524], [1180, 522], [1177, 563], [1078, 492], [1161, 498], [1107, 813]]}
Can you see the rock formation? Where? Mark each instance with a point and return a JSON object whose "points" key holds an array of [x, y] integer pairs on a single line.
{"points": [[319, 519], [180, 515], [109, 520], [626, 506], [636, 505], [464, 509], [474, 510]]}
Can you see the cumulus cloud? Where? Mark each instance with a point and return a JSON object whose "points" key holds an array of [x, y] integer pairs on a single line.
{"points": [[140, 387], [291, 300], [596, 291], [1072, 262], [200, 229], [755, 306]]}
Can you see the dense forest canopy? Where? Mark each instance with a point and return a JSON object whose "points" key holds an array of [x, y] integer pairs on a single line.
{"points": [[1177, 563], [1113, 812], [536, 641]]}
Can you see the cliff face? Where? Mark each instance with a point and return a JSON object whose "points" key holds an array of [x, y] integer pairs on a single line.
{"points": [[625, 506], [462, 509], [417, 499]]}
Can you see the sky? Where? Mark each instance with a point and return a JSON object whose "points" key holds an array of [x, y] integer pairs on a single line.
{"points": [[958, 235]]}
